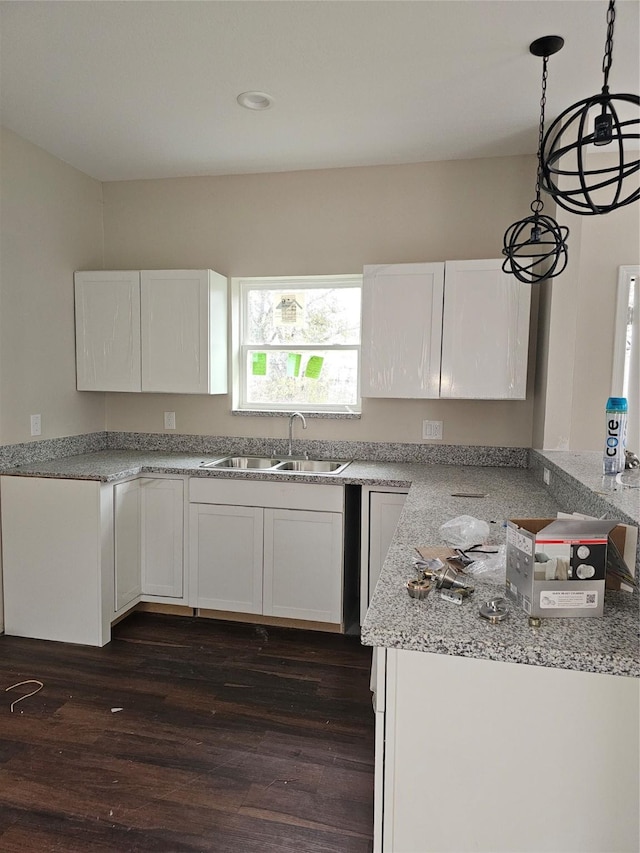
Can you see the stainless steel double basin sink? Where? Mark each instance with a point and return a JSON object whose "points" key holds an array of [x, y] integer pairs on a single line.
{"points": [[284, 464]]}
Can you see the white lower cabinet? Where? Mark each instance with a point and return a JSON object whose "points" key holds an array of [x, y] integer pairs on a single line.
{"points": [[77, 554], [267, 558], [518, 758]]}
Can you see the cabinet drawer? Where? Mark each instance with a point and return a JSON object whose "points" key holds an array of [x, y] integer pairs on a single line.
{"points": [[266, 494]]}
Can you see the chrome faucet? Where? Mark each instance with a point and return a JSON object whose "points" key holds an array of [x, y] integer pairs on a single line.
{"points": [[292, 417]]}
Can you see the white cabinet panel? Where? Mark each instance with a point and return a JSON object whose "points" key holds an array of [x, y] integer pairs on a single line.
{"points": [[303, 565], [485, 335], [550, 756], [183, 313], [108, 331], [401, 330], [127, 525], [57, 555], [378, 688], [162, 545], [226, 557]]}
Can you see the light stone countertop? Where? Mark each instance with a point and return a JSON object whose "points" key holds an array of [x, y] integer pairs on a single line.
{"points": [[394, 620], [583, 470], [112, 466]]}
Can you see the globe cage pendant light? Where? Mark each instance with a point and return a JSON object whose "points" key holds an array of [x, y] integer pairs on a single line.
{"points": [[537, 241], [589, 191]]}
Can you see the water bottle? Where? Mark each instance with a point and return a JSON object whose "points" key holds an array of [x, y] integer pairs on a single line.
{"points": [[613, 457]]}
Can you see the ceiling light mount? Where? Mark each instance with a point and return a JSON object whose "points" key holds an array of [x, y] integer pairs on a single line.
{"points": [[535, 248], [255, 100], [546, 45], [601, 120]]}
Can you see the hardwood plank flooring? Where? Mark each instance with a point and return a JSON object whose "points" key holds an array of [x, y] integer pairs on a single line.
{"points": [[232, 738]]}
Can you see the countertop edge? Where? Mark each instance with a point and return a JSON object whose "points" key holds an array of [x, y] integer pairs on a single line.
{"points": [[436, 644]]}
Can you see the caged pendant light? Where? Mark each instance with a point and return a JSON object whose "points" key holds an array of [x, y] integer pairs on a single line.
{"points": [[601, 120], [535, 248]]}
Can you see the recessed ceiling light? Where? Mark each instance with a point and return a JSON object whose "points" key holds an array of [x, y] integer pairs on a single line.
{"points": [[255, 100]]}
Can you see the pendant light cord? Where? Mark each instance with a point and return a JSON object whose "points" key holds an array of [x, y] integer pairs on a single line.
{"points": [[607, 60], [538, 204]]}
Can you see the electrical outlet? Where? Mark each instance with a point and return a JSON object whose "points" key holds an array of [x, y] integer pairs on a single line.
{"points": [[432, 429], [169, 420], [36, 425], [546, 476]]}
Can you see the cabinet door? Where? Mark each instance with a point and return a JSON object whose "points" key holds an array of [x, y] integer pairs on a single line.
{"points": [[127, 524], [303, 565], [401, 330], [485, 333], [162, 537], [226, 557], [108, 331], [183, 331]]}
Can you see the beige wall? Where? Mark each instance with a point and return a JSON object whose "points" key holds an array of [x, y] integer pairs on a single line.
{"points": [[293, 223], [577, 328], [321, 222], [51, 224]]}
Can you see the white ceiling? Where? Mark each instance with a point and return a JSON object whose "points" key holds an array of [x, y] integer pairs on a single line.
{"points": [[125, 89]]}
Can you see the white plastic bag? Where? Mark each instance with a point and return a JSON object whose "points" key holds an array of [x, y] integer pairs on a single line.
{"points": [[464, 532], [489, 567]]}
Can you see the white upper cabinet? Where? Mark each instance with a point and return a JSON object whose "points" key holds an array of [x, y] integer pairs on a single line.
{"points": [[485, 332], [108, 331], [458, 329], [401, 330], [161, 331]]}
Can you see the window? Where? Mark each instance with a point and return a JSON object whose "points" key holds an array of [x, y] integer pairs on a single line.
{"points": [[298, 343]]}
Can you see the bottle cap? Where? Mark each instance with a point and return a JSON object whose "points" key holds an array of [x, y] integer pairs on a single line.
{"points": [[617, 404]]}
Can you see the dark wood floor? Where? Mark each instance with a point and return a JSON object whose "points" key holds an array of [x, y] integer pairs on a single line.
{"points": [[232, 738]]}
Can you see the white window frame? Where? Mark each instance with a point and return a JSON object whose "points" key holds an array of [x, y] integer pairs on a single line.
{"points": [[239, 289], [626, 363]]}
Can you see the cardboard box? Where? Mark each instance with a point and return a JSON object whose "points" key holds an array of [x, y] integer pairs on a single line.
{"points": [[557, 567]]}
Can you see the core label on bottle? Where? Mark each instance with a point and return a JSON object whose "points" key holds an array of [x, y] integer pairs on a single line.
{"points": [[552, 600]]}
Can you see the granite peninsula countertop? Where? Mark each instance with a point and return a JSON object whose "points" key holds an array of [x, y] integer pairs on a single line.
{"points": [[394, 620], [599, 645]]}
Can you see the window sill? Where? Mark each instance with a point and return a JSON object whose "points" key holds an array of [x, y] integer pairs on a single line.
{"points": [[250, 413]]}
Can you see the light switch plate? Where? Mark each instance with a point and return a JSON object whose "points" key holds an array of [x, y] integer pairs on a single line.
{"points": [[169, 420], [36, 425]]}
